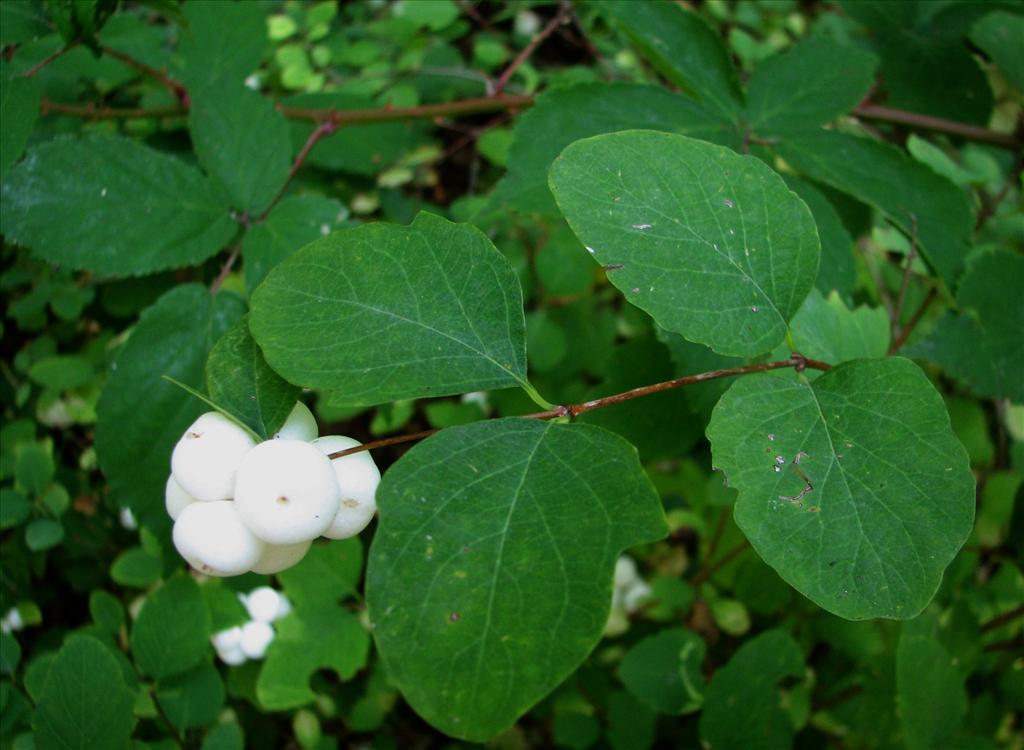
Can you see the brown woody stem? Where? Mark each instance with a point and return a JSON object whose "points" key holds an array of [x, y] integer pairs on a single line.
{"points": [[937, 124]]}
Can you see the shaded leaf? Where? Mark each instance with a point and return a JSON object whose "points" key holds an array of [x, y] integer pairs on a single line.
{"points": [[490, 575], [880, 499], [665, 671], [999, 36], [222, 42], [836, 269], [171, 634], [710, 243], [384, 312], [929, 691], [826, 329], [192, 699], [19, 108]]}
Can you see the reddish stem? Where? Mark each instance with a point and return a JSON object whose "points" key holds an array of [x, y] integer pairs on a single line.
{"points": [[324, 129], [179, 91], [529, 49], [937, 124]]}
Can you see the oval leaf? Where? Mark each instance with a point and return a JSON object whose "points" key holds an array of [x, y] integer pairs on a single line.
{"points": [[853, 486], [490, 576], [172, 633], [712, 244], [384, 312]]}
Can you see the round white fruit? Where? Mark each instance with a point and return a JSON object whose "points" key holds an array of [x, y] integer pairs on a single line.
{"points": [[358, 478], [206, 458], [231, 656], [263, 604], [625, 572], [278, 557], [286, 492], [214, 540], [227, 639], [256, 636], [300, 425], [175, 498]]}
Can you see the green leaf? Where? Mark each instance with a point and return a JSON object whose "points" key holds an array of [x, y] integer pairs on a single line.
{"points": [[836, 270], [294, 222], [742, 706], [10, 654], [222, 42], [711, 244], [192, 699], [878, 502], [998, 35], [384, 312], [34, 468], [136, 568], [812, 83], [664, 671], [43, 533], [884, 177], [140, 416], [683, 48], [240, 381], [62, 372], [328, 572], [19, 108], [828, 330], [983, 345], [224, 737], [930, 692], [106, 611], [85, 704], [242, 141], [489, 580], [564, 115], [14, 508], [113, 206], [171, 635]]}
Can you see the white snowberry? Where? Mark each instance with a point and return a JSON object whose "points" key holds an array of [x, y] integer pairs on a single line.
{"points": [[300, 425], [231, 656], [286, 491], [358, 478], [207, 455], [175, 498], [227, 639], [214, 540], [278, 557], [625, 572], [256, 637], [263, 604], [635, 595]]}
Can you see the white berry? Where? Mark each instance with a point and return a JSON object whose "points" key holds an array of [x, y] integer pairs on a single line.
{"points": [[214, 540], [637, 593], [227, 639], [231, 656], [256, 636], [175, 498], [206, 458], [358, 478], [300, 425], [286, 491], [625, 572], [278, 557], [263, 604]]}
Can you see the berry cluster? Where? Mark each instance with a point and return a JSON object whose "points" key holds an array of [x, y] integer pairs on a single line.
{"points": [[629, 593], [250, 641], [239, 506]]}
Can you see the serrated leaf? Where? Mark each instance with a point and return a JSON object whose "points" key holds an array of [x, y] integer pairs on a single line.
{"points": [[19, 109], [85, 704], [222, 42], [884, 177], [294, 222], [665, 671], [384, 312], [836, 270], [812, 83], [880, 499], [140, 416], [929, 691], [242, 141], [683, 48], [240, 381], [826, 329], [113, 206], [489, 578], [712, 244], [171, 634], [999, 35], [983, 345], [564, 115], [742, 706]]}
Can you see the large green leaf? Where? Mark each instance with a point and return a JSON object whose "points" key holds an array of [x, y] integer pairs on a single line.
{"points": [[983, 345], [113, 206], [294, 222], [742, 706], [852, 486], [85, 703], [712, 244], [836, 270], [490, 576], [564, 115], [242, 141], [19, 108], [240, 381], [664, 671], [812, 83], [140, 416], [828, 330], [384, 312], [683, 48], [171, 635], [884, 177], [222, 42], [999, 36], [929, 690], [192, 699]]}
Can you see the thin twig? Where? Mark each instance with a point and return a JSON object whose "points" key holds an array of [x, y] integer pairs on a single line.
{"points": [[901, 339], [836, 698], [1013, 644], [423, 111], [321, 131], [728, 557], [225, 270], [1007, 617], [797, 361], [47, 60], [563, 14], [92, 112], [897, 309], [716, 537], [175, 734], [937, 124], [179, 91]]}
